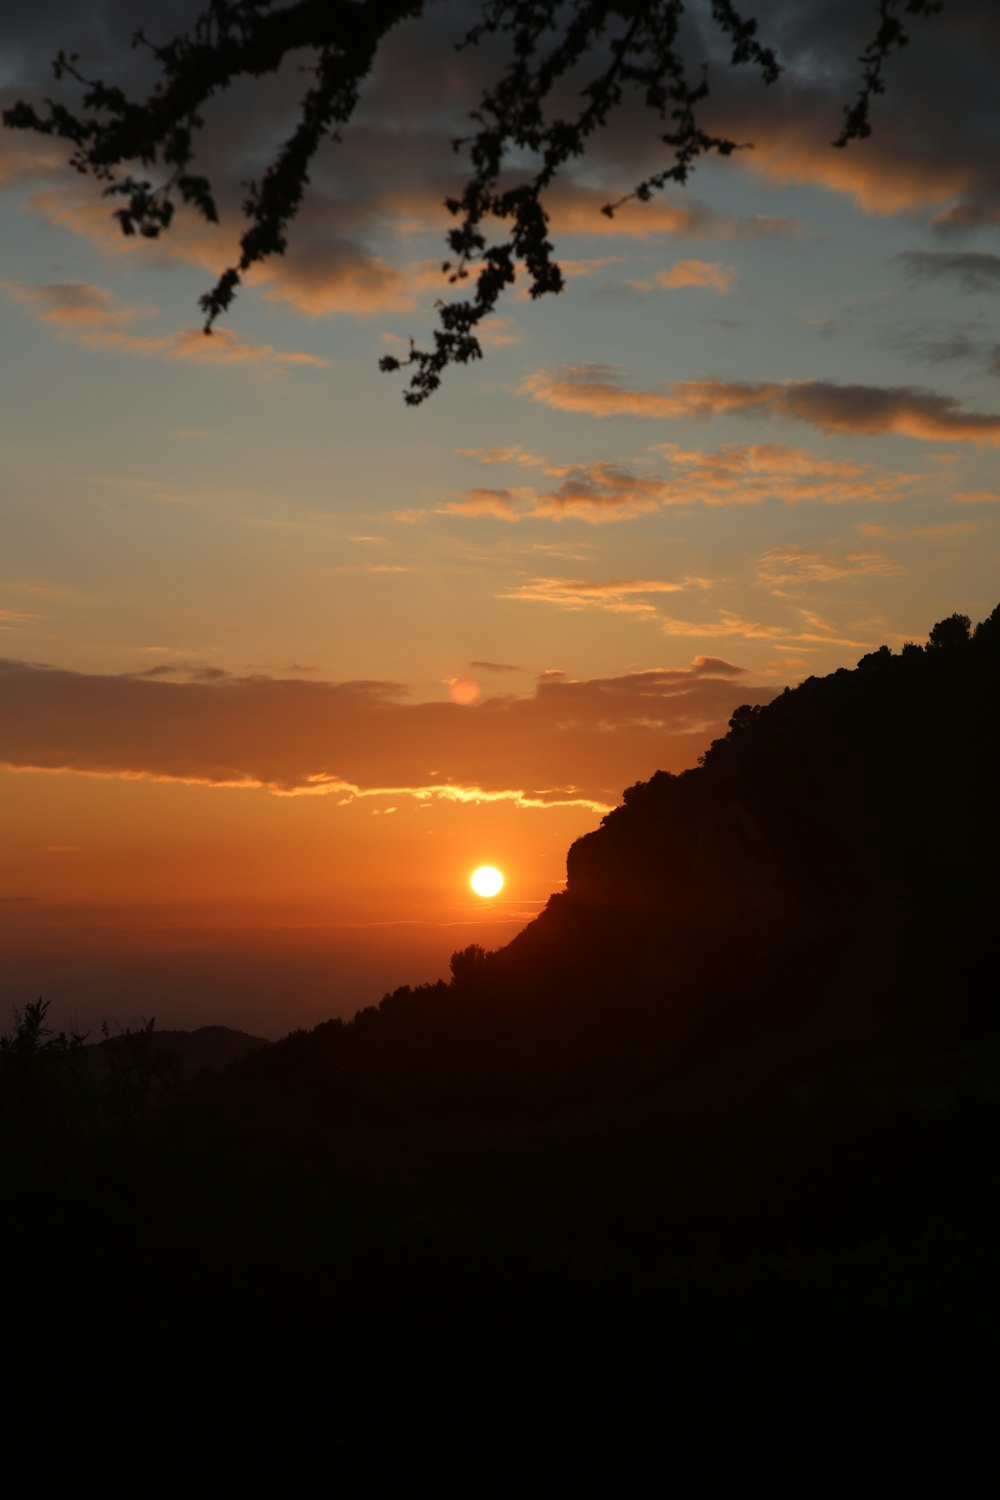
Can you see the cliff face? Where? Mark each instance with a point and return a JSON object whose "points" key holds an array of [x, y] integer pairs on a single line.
{"points": [[834, 858]]}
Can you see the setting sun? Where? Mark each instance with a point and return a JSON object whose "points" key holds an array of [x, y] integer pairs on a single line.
{"points": [[486, 881]]}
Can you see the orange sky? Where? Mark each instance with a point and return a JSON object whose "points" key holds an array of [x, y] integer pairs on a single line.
{"points": [[153, 894]]}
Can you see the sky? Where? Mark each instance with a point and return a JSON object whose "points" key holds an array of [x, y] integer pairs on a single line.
{"points": [[285, 659]]}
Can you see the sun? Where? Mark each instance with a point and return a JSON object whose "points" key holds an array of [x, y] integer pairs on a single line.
{"points": [[486, 881]]}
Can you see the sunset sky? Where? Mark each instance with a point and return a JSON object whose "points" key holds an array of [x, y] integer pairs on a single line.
{"points": [[286, 659]]}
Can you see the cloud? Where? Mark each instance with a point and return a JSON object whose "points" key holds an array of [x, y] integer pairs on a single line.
{"points": [[576, 209], [884, 175], [933, 146], [513, 454], [417, 99], [26, 159], [80, 307], [827, 405], [343, 256], [358, 739], [636, 597], [595, 493], [691, 273], [325, 271], [717, 666], [932, 343], [184, 672], [799, 565], [90, 315], [808, 630], [11, 619], [322, 275], [492, 666], [624, 596], [969, 215], [191, 239], [759, 472], [905, 533], [497, 333], [70, 304], [973, 270], [222, 347], [504, 504], [589, 267], [593, 389], [732, 475]]}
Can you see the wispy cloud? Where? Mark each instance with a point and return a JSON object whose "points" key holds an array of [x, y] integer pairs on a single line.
{"points": [[800, 565], [512, 454], [93, 318], [972, 270], [11, 619], [810, 629], [907, 533], [759, 472], [578, 209], [625, 596], [938, 343]]}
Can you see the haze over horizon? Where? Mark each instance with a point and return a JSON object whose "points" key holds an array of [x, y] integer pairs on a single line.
{"points": [[285, 660]]}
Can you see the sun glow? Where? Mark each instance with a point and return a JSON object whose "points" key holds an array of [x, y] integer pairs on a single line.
{"points": [[486, 881]]}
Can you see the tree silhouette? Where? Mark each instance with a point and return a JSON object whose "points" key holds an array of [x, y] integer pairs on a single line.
{"points": [[611, 52], [467, 964], [950, 634]]}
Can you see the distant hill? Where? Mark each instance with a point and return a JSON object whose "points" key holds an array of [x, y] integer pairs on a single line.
{"points": [[211, 1047]]}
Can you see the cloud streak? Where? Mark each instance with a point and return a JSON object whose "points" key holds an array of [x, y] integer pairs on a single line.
{"points": [[709, 274], [827, 405], [365, 738], [797, 565], [628, 596], [91, 316]]}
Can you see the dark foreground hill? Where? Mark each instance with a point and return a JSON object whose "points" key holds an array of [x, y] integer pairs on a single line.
{"points": [[699, 1171]]}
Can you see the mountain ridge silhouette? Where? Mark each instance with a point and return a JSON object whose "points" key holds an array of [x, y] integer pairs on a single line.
{"points": [[698, 1171]]}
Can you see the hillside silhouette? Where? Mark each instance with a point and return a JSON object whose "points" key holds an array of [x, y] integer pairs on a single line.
{"points": [[703, 1162]]}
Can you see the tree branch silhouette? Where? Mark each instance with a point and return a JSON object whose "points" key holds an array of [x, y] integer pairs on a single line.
{"points": [[625, 50]]}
